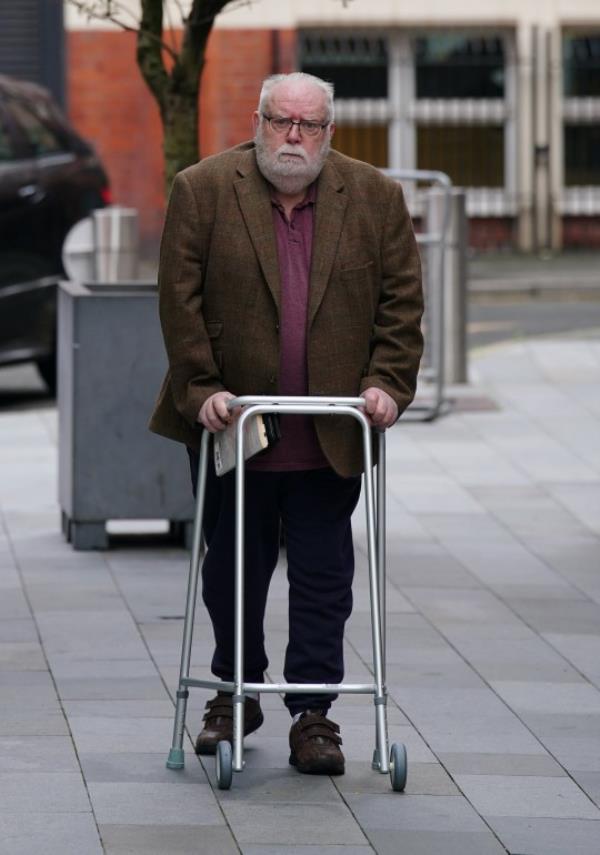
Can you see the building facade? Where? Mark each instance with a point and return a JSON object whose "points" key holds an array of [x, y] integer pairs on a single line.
{"points": [[504, 96]]}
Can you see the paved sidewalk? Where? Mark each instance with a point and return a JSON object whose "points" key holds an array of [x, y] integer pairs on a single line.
{"points": [[564, 276], [493, 656]]}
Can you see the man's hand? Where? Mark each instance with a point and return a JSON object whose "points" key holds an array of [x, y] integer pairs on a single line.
{"points": [[380, 408], [214, 414]]}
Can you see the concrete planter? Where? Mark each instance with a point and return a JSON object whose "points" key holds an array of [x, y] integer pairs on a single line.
{"points": [[110, 365]]}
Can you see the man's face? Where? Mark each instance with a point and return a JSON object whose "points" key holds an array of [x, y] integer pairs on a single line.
{"points": [[292, 160]]}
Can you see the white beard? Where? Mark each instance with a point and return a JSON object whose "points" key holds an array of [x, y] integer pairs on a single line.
{"points": [[293, 174]]}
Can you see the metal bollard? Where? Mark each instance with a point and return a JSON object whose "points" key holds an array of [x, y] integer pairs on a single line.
{"points": [[116, 241], [455, 280]]}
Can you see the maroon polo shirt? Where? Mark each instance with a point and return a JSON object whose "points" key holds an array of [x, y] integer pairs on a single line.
{"points": [[298, 447]]}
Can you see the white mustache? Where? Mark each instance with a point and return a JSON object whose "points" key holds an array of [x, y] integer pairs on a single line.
{"points": [[296, 150]]}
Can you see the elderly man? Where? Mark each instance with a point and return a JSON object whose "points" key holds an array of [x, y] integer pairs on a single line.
{"points": [[287, 268]]}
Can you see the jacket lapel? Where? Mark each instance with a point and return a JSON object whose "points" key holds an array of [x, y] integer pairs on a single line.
{"points": [[255, 203], [330, 211]]}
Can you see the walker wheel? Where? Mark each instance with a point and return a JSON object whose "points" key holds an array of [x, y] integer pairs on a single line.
{"points": [[224, 765], [398, 767]]}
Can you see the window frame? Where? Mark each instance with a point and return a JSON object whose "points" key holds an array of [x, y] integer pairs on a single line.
{"points": [[581, 110], [403, 112]]}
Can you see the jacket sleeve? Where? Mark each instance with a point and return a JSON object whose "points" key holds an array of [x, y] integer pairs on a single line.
{"points": [[194, 375], [397, 342]]}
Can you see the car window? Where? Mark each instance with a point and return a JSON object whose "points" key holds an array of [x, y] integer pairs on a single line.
{"points": [[39, 135]]}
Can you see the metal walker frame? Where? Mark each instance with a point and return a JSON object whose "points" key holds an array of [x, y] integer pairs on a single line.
{"points": [[227, 759]]}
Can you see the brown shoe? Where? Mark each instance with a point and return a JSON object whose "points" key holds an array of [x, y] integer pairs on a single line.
{"points": [[315, 745], [218, 722]]}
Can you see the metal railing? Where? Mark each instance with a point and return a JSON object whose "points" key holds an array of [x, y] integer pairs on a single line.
{"points": [[433, 243]]}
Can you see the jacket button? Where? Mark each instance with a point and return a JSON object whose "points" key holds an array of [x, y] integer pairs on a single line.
{"points": [[272, 379]]}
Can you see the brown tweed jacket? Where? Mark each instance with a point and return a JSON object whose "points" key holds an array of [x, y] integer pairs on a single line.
{"points": [[219, 294]]}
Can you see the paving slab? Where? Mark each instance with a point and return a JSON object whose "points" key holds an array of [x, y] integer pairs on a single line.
{"points": [[583, 651], [43, 792], [112, 735], [27, 687], [143, 768], [172, 839], [281, 823], [18, 721], [538, 765], [575, 699], [415, 813], [276, 785], [35, 753], [589, 783], [574, 753], [429, 779], [21, 656], [425, 842], [20, 630], [29, 832], [319, 849], [467, 720], [528, 796], [547, 836], [153, 804]]}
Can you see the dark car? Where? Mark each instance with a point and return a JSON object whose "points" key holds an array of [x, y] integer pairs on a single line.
{"points": [[50, 179]]}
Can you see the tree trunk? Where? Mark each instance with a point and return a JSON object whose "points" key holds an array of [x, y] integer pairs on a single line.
{"points": [[180, 128]]}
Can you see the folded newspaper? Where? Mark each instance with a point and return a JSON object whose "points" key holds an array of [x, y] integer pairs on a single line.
{"points": [[259, 433]]}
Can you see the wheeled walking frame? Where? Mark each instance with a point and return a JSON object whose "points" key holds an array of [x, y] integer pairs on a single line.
{"points": [[230, 759]]}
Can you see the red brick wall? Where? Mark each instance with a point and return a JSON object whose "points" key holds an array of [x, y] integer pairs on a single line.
{"points": [[581, 232], [237, 61], [109, 103], [492, 233]]}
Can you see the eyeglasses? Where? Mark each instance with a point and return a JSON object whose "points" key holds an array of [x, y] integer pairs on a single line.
{"points": [[282, 126]]}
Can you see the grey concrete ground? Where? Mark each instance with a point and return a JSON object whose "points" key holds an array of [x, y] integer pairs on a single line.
{"points": [[493, 655]]}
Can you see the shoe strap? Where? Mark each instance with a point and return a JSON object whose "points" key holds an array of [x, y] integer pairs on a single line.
{"points": [[308, 718], [219, 707], [312, 726]]}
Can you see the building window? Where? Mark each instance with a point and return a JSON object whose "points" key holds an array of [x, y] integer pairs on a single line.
{"points": [[457, 66], [581, 123], [473, 155], [582, 155], [460, 114], [357, 65], [365, 142], [581, 65], [442, 101]]}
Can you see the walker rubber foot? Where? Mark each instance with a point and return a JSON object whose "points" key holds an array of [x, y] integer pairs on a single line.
{"points": [[175, 760]]}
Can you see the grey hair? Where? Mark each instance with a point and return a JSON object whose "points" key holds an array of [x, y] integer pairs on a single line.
{"points": [[301, 77]]}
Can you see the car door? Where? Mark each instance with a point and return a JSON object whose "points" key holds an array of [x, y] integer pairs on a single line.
{"points": [[17, 182], [25, 329]]}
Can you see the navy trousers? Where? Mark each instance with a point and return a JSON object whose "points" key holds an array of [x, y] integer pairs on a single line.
{"points": [[314, 508]]}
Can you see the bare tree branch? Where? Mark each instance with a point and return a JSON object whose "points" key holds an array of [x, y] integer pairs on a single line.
{"points": [[150, 50], [102, 10], [175, 85], [181, 11], [171, 27]]}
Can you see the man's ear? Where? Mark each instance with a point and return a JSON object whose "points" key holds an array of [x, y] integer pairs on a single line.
{"points": [[255, 121], [331, 130]]}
